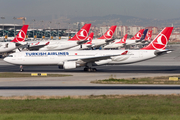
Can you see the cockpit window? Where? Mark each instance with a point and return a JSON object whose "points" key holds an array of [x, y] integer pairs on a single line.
{"points": [[10, 55]]}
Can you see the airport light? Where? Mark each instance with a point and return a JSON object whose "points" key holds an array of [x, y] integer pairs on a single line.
{"points": [[14, 26], [33, 27], [58, 29], [50, 28], [68, 30], [42, 28], [3, 26]]}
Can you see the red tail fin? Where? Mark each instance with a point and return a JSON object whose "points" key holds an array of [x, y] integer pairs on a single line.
{"points": [[123, 40], [148, 36], [21, 35], [109, 33], [82, 33], [161, 40], [90, 37], [138, 35]]}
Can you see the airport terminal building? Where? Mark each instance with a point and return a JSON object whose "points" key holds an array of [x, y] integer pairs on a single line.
{"points": [[7, 32]]}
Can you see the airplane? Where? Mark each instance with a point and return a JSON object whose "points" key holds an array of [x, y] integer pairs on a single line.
{"points": [[142, 36], [79, 38], [136, 37], [104, 39], [117, 44], [86, 45], [17, 42], [148, 37], [89, 58]]}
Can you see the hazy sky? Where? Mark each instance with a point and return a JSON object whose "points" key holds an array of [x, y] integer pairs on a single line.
{"points": [[156, 9]]}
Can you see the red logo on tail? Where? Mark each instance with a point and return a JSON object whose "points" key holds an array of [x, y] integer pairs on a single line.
{"points": [[160, 42], [20, 36], [109, 34], [82, 34]]}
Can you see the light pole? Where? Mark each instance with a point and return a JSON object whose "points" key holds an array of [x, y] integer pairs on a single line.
{"points": [[3, 27], [14, 26], [68, 30], [50, 28], [42, 28], [33, 27], [58, 30]]}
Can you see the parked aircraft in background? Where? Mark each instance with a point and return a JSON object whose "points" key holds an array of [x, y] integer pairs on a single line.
{"points": [[137, 36], [17, 42], [148, 37], [117, 44], [50, 45], [104, 39], [89, 58], [85, 45]]}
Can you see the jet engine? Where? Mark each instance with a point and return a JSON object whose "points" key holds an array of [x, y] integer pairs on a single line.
{"points": [[69, 65]]}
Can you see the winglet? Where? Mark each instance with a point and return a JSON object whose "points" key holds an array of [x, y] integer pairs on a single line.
{"points": [[161, 40], [47, 43], [82, 34], [124, 53], [109, 33], [21, 35], [137, 36]]}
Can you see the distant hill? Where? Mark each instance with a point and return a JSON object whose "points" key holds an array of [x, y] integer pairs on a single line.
{"points": [[125, 20]]}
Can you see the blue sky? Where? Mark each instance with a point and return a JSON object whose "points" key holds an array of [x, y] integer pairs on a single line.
{"points": [[154, 9]]}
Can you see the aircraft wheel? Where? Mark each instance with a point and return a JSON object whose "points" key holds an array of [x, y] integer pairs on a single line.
{"points": [[94, 69], [89, 69], [85, 69]]}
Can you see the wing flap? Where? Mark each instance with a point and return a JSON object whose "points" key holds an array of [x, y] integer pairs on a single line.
{"points": [[96, 58]]}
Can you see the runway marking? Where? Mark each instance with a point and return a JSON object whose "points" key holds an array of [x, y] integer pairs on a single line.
{"points": [[88, 87]]}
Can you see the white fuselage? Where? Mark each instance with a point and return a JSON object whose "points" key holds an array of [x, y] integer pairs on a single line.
{"points": [[7, 46], [98, 42], [130, 42], [57, 45], [114, 44], [59, 57], [81, 47]]}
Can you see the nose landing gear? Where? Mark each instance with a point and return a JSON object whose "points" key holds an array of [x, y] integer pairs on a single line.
{"points": [[21, 68]]}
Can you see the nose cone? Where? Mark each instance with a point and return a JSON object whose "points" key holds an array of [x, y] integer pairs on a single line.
{"points": [[7, 59]]}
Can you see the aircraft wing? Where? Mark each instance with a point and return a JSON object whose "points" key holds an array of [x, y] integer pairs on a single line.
{"points": [[109, 40], [37, 46], [97, 58], [161, 52], [81, 42]]}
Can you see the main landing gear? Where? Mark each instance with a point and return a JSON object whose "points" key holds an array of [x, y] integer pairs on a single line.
{"points": [[21, 68], [90, 69]]}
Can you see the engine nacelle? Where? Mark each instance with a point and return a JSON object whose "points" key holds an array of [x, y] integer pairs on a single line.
{"points": [[69, 65]]}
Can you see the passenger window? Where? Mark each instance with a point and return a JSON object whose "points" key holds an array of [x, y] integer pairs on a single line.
{"points": [[10, 55]]}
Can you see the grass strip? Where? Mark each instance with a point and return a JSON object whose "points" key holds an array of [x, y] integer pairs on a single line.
{"points": [[139, 107], [146, 80], [64, 116], [12, 75], [142, 104]]}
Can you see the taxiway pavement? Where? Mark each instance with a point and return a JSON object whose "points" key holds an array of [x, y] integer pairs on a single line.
{"points": [[166, 65]]}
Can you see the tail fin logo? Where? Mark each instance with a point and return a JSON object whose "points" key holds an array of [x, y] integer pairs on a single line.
{"points": [[109, 34], [82, 34], [21, 36], [123, 40], [138, 35], [160, 42], [149, 36]]}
